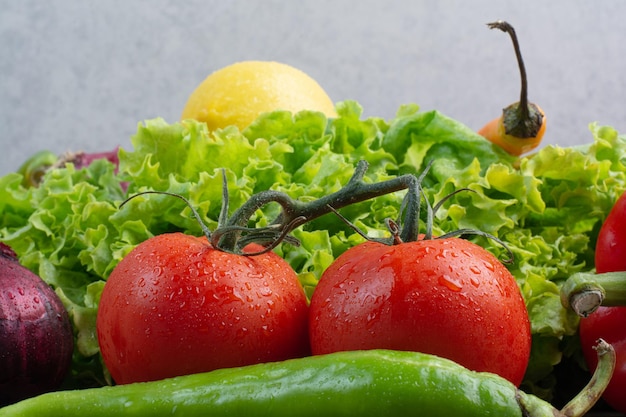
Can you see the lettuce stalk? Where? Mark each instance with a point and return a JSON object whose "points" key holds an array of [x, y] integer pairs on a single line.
{"points": [[547, 207]]}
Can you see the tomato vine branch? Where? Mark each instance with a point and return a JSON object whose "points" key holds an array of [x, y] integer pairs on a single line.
{"points": [[228, 237], [233, 233]]}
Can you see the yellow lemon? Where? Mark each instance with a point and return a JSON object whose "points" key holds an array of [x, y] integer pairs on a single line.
{"points": [[239, 93]]}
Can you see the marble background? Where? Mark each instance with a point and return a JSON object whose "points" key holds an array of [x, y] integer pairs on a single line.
{"points": [[80, 75]]}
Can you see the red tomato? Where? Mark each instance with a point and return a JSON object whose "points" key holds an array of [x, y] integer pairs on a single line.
{"points": [[609, 323], [447, 297], [176, 306]]}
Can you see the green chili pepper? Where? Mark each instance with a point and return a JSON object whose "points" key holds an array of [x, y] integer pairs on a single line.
{"points": [[373, 382]]}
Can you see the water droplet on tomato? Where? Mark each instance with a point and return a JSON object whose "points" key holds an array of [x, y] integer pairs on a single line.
{"points": [[265, 291], [489, 266], [372, 316], [256, 275], [450, 283], [502, 291]]}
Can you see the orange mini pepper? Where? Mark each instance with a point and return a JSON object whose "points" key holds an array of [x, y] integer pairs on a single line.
{"points": [[522, 125]]}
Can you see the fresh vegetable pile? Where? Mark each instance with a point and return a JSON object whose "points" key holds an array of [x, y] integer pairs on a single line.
{"points": [[71, 231]]}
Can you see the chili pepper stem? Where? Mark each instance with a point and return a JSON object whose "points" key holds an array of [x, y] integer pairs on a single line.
{"points": [[592, 392], [584, 292], [523, 100], [522, 119]]}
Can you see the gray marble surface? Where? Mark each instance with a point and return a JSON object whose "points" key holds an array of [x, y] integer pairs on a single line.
{"points": [[80, 75]]}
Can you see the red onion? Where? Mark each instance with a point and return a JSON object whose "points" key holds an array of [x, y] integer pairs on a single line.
{"points": [[82, 159], [39, 163], [36, 340]]}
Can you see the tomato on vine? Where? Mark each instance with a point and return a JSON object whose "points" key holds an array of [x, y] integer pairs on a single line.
{"points": [[445, 296], [178, 305]]}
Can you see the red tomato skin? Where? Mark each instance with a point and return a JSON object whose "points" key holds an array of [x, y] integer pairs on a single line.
{"points": [[175, 305], [608, 323], [447, 297]]}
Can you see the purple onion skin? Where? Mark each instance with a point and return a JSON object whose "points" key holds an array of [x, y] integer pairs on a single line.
{"points": [[36, 340], [82, 160]]}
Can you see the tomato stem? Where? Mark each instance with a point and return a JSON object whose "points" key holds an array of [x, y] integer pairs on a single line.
{"points": [[295, 213], [430, 215], [194, 212], [233, 234]]}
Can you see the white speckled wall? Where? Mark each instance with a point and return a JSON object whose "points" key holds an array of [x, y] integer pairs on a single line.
{"points": [[81, 74]]}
